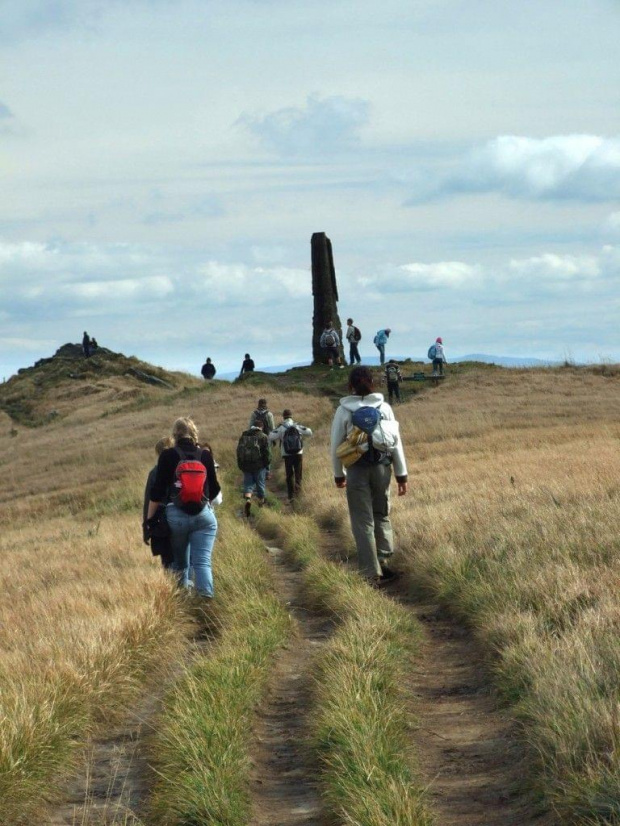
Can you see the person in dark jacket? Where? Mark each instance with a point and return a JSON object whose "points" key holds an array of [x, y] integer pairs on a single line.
{"points": [[208, 369], [86, 344], [160, 545], [247, 366], [193, 527]]}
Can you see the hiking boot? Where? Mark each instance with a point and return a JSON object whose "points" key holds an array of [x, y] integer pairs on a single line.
{"points": [[388, 574], [261, 502], [248, 508]]}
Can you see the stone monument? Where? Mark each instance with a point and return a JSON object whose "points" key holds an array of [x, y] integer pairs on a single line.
{"points": [[325, 293]]}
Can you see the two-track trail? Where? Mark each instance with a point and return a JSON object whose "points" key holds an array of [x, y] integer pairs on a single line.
{"points": [[470, 759], [284, 774]]}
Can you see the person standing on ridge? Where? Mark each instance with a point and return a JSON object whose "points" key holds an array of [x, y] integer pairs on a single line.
{"points": [[393, 377], [208, 370], [291, 436], [253, 459], [353, 336], [247, 366], [437, 355], [86, 345], [330, 343], [380, 340], [367, 480]]}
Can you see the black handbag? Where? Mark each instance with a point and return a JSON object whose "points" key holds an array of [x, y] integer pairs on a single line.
{"points": [[158, 524]]}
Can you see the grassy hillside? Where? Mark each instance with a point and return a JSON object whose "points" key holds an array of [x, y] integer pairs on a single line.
{"points": [[511, 522]]}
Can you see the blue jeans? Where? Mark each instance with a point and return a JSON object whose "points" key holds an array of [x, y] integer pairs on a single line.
{"points": [[381, 349], [255, 482], [192, 538]]}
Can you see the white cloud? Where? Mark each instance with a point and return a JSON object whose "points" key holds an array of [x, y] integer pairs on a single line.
{"points": [[563, 167], [552, 267], [612, 224], [322, 124]]}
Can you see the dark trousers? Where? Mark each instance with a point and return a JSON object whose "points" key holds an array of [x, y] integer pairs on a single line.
{"points": [[354, 353], [161, 547], [393, 391], [293, 465], [438, 366]]}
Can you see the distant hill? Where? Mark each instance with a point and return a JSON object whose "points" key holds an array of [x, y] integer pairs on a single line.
{"points": [[58, 385]]}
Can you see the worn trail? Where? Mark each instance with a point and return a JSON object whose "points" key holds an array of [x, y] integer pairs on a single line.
{"points": [[284, 777]]}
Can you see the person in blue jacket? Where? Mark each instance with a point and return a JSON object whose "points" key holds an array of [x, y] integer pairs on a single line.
{"points": [[380, 341]]}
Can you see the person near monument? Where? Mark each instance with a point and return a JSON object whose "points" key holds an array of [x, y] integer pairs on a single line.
{"points": [[247, 366], [330, 344], [86, 344], [393, 378], [380, 340], [208, 369], [353, 336], [291, 436], [437, 354], [367, 479]]}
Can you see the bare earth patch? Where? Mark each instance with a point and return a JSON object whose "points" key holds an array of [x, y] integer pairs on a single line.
{"points": [[284, 776], [475, 768]]}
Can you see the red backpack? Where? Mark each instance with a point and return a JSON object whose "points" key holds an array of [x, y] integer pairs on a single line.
{"points": [[190, 478]]}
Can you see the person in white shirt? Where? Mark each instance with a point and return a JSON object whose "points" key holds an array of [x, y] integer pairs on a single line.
{"points": [[353, 336], [367, 481], [439, 359], [291, 436]]}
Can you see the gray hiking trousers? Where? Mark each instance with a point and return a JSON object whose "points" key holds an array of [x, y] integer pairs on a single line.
{"points": [[368, 498]]}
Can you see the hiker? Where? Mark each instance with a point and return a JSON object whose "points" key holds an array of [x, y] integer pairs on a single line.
{"points": [[263, 417], [253, 458], [353, 336], [158, 535], [291, 436], [380, 340], [208, 370], [367, 477], [186, 480], [330, 344], [86, 344], [393, 377], [247, 366], [438, 356], [93, 344]]}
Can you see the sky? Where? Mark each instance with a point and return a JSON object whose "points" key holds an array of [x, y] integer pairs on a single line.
{"points": [[164, 164]]}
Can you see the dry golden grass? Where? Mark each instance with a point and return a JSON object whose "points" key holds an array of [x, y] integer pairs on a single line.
{"points": [[86, 612], [512, 521]]}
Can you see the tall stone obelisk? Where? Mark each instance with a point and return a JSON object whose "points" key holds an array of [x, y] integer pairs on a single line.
{"points": [[324, 291]]}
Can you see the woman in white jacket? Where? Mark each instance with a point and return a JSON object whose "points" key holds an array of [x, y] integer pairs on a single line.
{"points": [[368, 482]]}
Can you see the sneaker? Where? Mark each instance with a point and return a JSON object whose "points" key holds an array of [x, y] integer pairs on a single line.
{"points": [[342, 366], [248, 507]]}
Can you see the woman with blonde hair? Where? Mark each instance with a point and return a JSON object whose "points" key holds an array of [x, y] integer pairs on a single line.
{"points": [[186, 483]]}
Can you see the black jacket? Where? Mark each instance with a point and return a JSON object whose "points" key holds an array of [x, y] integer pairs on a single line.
{"points": [[167, 465]]}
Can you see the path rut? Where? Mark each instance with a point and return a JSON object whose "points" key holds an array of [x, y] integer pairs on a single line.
{"points": [[284, 777]]}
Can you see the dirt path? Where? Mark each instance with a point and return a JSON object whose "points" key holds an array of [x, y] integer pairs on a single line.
{"points": [[467, 748], [283, 781], [111, 786], [465, 745]]}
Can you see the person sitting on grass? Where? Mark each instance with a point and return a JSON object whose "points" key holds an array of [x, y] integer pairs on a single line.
{"points": [[291, 436], [253, 458]]}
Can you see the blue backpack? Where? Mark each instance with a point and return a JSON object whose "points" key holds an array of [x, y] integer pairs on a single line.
{"points": [[432, 351], [366, 419]]}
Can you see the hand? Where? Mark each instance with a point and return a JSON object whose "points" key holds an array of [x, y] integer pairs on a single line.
{"points": [[146, 534], [402, 488], [341, 482]]}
